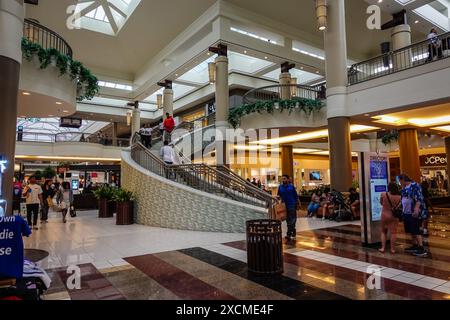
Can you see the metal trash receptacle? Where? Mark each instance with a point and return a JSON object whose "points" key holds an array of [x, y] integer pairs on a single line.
{"points": [[264, 247]]}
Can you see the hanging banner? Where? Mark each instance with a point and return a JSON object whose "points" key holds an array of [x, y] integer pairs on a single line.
{"points": [[3, 204]]}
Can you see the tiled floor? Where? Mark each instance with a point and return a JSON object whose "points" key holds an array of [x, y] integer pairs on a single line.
{"points": [[327, 262]]}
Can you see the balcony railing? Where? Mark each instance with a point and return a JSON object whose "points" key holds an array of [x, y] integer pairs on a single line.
{"points": [[45, 37], [406, 58], [70, 137], [289, 91]]}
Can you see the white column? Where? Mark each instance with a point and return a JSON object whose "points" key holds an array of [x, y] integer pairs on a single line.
{"points": [[285, 90], [136, 121], [168, 101], [11, 32], [11, 29], [401, 38], [222, 109], [336, 74]]}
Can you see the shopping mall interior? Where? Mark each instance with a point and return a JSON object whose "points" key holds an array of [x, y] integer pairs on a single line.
{"points": [[158, 143]]}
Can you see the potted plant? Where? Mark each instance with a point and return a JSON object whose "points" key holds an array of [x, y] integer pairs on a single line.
{"points": [[104, 195], [125, 207]]}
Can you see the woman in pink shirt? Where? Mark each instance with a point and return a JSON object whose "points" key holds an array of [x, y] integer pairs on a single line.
{"points": [[389, 200]]}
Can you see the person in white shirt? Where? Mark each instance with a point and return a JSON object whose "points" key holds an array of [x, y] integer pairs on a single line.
{"points": [[167, 153], [33, 195]]}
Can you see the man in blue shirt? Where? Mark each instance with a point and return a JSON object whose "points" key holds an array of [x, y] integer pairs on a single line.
{"points": [[11, 246], [289, 196]]}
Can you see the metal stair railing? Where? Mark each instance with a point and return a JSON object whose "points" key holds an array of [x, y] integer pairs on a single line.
{"points": [[204, 178]]}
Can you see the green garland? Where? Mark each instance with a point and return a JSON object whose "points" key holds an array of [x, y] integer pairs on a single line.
{"points": [[87, 83], [301, 104], [390, 137]]}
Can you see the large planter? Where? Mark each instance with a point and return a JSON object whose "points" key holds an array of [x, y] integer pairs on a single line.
{"points": [[105, 208], [125, 213]]}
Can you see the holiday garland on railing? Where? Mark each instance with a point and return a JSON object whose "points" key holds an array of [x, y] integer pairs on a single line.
{"points": [[296, 104], [87, 83]]}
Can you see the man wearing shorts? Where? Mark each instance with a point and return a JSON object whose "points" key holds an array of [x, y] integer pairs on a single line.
{"points": [[414, 211]]}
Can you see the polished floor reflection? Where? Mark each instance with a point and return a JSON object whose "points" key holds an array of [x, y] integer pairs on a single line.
{"points": [[327, 262]]}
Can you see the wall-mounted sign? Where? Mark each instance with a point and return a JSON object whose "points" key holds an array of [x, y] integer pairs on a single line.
{"points": [[70, 123], [435, 160]]}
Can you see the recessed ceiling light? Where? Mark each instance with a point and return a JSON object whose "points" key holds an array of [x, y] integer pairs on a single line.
{"points": [[65, 111], [245, 51], [265, 58], [317, 72], [26, 93], [176, 74], [301, 68], [209, 53], [58, 103], [367, 115], [416, 22]]}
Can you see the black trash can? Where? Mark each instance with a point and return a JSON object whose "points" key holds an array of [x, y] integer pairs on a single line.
{"points": [[264, 247]]}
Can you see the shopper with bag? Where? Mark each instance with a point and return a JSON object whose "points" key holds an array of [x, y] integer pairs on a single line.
{"points": [[390, 215], [64, 198], [289, 196]]}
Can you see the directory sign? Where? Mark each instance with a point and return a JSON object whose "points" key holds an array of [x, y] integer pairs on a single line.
{"points": [[379, 180]]}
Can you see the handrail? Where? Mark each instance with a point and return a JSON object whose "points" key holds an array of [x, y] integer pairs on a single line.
{"points": [[202, 177], [285, 91], [412, 56], [46, 38], [30, 136]]}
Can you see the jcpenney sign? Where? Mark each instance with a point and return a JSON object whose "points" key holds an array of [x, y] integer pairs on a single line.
{"points": [[433, 160]]}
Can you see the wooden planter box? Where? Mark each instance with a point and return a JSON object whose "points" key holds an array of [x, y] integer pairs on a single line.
{"points": [[106, 208], [125, 213]]}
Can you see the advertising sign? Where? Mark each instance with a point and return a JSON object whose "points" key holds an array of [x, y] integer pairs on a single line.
{"points": [[378, 183]]}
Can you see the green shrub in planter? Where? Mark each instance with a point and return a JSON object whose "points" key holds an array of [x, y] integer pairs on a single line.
{"points": [[106, 205], [125, 207]]}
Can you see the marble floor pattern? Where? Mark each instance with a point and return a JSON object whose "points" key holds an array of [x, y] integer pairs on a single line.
{"points": [[327, 262]]}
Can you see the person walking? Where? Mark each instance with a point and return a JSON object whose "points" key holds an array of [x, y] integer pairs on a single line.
{"points": [[414, 212], [33, 196], [47, 198], [289, 196], [390, 201], [169, 125], [64, 197], [167, 155]]}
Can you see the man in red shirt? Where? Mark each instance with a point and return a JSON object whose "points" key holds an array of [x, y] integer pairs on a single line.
{"points": [[169, 125]]}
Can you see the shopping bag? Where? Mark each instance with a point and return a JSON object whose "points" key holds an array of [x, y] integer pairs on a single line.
{"points": [[280, 212], [73, 212]]}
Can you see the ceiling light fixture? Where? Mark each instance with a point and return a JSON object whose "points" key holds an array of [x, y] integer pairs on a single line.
{"points": [[58, 103], [320, 134], [321, 14], [26, 93]]}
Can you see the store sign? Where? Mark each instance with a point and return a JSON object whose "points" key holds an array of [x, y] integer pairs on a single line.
{"points": [[433, 160], [379, 180], [74, 123]]}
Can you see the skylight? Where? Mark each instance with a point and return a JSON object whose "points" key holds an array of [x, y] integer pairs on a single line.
{"points": [[104, 16], [113, 85], [254, 35], [46, 129], [437, 13]]}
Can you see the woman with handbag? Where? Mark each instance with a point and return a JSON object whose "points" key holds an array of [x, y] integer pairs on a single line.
{"points": [[64, 198], [390, 215]]}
